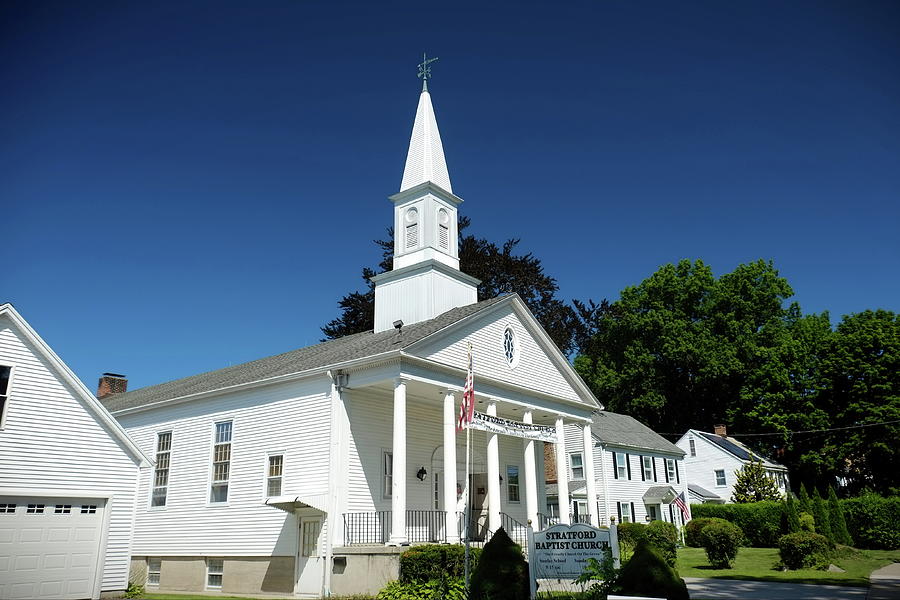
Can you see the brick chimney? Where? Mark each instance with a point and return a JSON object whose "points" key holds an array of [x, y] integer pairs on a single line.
{"points": [[111, 383], [720, 429], [550, 463]]}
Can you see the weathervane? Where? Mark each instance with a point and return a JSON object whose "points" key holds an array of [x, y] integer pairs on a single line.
{"points": [[425, 71]]}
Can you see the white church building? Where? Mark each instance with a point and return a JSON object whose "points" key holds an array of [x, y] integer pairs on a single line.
{"points": [[307, 473]]}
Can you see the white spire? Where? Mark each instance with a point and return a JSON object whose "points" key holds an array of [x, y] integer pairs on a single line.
{"points": [[425, 160]]}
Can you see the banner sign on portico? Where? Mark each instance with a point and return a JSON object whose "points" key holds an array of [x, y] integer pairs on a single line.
{"points": [[529, 431]]}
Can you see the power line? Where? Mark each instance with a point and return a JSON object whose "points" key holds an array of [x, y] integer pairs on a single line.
{"points": [[805, 430]]}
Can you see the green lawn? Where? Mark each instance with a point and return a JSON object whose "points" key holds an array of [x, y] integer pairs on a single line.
{"points": [[759, 564]]}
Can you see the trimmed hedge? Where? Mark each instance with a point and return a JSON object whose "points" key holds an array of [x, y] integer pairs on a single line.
{"points": [[872, 521], [721, 541], [760, 521], [429, 562], [694, 528], [804, 550]]}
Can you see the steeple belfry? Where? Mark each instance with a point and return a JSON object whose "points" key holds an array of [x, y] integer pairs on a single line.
{"points": [[425, 281]]}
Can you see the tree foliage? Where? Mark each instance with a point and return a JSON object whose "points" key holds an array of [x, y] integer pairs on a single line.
{"points": [[501, 271], [754, 485]]}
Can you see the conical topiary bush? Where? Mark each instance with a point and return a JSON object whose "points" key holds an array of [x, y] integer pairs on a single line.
{"points": [[502, 572]]}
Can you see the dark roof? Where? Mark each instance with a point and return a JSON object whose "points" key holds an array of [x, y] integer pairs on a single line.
{"points": [[736, 448], [614, 429], [702, 492], [574, 486], [351, 347]]}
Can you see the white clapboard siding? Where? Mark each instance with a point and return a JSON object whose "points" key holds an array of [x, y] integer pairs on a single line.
{"points": [[371, 434], [710, 457], [52, 441], [623, 490], [534, 370], [290, 418]]}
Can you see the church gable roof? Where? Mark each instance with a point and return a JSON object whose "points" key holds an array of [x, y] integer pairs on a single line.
{"points": [[311, 358]]}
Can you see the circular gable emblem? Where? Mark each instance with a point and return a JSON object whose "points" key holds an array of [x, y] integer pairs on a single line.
{"points": [[511, 347]]}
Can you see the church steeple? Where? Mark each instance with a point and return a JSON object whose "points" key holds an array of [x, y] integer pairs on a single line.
{"points": [[426, 280]]}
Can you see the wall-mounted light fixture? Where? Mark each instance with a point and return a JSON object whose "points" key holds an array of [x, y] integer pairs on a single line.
{"points": [[422, 474]]}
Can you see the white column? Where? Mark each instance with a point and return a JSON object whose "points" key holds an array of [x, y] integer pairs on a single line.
{"points": [[530, 478], [450, 467], [398, 475], [493, 474], [590, 476], [562, 473]]}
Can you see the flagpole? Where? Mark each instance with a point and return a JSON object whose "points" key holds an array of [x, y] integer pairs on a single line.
{"points": [[466, 513]]}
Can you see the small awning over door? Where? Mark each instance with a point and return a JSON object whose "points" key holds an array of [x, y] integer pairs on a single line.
{"points": [[292, 502], [660, 494]]}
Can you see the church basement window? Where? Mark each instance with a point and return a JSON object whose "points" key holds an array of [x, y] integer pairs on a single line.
{"points": [[215, 569], [154, 569]]}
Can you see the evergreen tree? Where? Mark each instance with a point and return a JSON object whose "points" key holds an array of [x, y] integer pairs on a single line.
{"points": [[803, 503], [838, 522], [754, 485], [820, 514], [792, 518]]}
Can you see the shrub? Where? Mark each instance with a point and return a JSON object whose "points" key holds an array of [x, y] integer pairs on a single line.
{"points": [[648, 574], [804, 504], [664, 538], [807, 522], [790, 520], [873, 521], [502, 573], [694, 527], [838, 523], [721, 541], [601, 574], [820, 514], [760, 521], [430, 562], [804, 550], [629, 536], [134, 590]]}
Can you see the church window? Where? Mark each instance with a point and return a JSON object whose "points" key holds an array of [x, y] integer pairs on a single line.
{"points": [[412, 228], [5, 373], [161, 472], [443, 229], [510, 347], [221, 463]]}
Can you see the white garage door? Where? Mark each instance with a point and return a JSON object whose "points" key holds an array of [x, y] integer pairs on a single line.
{"points": [[49, 547]]}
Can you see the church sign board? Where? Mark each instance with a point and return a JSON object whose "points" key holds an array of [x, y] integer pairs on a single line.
{"points": [[562, 551]]}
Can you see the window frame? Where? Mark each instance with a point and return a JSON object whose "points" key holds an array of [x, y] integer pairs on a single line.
{"points": [[510, 485], [155, 474], [151, 571], [4, 398], [213, 482], [671, 471], [625, 516], [305, 550], [572, 466], [268, 477], [724, 478], [387, 473], [693, 447], [220, 572], [624, 460], [647, 469]]}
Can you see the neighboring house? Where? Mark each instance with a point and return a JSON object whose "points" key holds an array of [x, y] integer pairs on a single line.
{"points": [[638, 473], [713, 460], [68, 474], [303, 473]]}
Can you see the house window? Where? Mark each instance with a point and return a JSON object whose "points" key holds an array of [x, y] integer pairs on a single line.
{"points": [[577, 464], [621, 465], [161, 473], [693, 447], [310, 538], [647, 464], [720, 477], [154, 568], [671, 471], [5, 373], [387, 461], [274, 475], [221, 463], [625, 512], [512, 483], [215, 568]]}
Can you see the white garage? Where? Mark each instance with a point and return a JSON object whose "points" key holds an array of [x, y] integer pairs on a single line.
{"points": [[67, 477], [50, 547]]}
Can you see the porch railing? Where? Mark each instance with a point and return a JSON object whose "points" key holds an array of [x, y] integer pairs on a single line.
{"points": [[374, 528]]}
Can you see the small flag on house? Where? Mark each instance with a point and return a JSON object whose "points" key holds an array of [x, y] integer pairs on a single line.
{"points": [[467, 408], [679, 501]]}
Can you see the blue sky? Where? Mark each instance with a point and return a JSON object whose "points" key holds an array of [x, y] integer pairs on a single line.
{"points": [[191, 185]]}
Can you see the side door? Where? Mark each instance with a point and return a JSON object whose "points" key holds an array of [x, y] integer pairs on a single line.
{"points": [[310, 559]]}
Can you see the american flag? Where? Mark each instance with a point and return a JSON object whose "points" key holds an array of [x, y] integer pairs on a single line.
{"points": [[467, 408], [679, 501]]}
